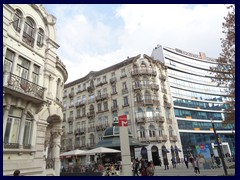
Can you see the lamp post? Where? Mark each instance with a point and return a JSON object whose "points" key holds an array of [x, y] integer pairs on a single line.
{"points": [[219, 148]]}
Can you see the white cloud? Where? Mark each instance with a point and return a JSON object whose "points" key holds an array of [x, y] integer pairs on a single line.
{"points": [[90, 42]]}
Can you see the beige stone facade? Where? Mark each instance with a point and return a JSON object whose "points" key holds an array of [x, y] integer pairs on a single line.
{"points": [[33, 81], [137, 87]]}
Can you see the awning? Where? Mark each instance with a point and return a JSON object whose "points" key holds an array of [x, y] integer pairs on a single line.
{"points": [[177, 150], [165, 150]]}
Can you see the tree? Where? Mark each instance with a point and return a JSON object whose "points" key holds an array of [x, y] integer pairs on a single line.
{"points": [[224, 72]]}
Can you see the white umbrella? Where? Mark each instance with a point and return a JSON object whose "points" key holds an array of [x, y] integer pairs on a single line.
{"points": [[101, 150], [74, 153]]}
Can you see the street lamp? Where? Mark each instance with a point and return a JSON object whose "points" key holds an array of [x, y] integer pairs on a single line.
{"points": [[219, 148]]}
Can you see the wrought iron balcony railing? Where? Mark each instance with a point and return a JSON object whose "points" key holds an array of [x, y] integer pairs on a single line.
{"points": [[20, 84]]}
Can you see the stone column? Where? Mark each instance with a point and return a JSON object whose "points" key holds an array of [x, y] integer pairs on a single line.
{"points": [[56, 135], [5, 117]]}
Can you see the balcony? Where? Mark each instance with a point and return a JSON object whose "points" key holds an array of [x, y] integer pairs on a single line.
{"points": [[123, 76], [140, 119], [173, 138], [102, 127], [71, 94], [79, 131], [102, 111], [102, 97], [70, 119], [91, 129], [113, 80], [137, 87], [156, 102], [148, 102], [90, 88], [114, 108], [138, 103], [80, 104], [167, 104], [161, 138], [125, 105], [159, 119], [91, 114], [80, 91], [14, 84], [124, 91], [143, 71]]}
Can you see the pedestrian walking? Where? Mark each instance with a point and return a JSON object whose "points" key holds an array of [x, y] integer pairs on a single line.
{"points": [[165, 162], [186, 160], [150, 170], [174, 161], [196, 166]]}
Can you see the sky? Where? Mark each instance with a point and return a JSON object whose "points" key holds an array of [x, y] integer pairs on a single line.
{"points": [[94, 37]]}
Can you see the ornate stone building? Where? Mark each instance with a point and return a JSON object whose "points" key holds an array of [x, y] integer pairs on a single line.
{"points": [[137, 87], [33, 81]]}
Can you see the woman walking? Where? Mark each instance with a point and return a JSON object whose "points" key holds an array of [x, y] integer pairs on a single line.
{"points": [[196, 166]]}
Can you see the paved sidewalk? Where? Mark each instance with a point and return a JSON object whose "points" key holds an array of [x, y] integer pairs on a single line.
{"points": [[182, 170]]}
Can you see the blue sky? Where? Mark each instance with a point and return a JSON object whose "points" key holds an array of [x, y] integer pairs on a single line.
{"points": [[93, 37]]}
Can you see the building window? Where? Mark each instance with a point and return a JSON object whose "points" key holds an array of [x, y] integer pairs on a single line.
{"points": [[83, 98], [71, 102], [27, 130], [113, 74], [79, 88], [114, 89], [23, 68], [125, 100], [142, 132], [123, 73], [17, 20], [104, 79], [160, 130], [78, 113], [114, 103], [139, 98], [99, 107], [151, 131], [124, 85], [35, 74], [105, 106], [8, 62], [13, 126], [98, 81], [40, 37], [29, 32], [70, 127], [84, 111]]}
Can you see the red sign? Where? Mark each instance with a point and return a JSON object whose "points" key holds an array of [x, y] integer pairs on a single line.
{"points": [[122, 120], [202, 146]]}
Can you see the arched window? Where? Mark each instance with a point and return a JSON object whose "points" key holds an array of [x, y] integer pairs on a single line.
{"points": [[142, 132], [170, 130], [17, 20], [151, 129], [40, 37], [29, 32]]}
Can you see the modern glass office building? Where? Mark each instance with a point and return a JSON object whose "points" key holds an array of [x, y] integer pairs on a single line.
{"points": [[198, 102]]}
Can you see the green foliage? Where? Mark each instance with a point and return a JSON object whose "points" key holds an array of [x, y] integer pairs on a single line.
{"points": [[224, 72]]}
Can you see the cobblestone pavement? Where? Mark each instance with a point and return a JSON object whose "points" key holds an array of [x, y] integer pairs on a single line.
{"points": [[182, 170]]}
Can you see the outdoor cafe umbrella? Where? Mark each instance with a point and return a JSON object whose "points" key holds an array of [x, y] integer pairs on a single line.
{"points": [[75, 152], [101, 150]]}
